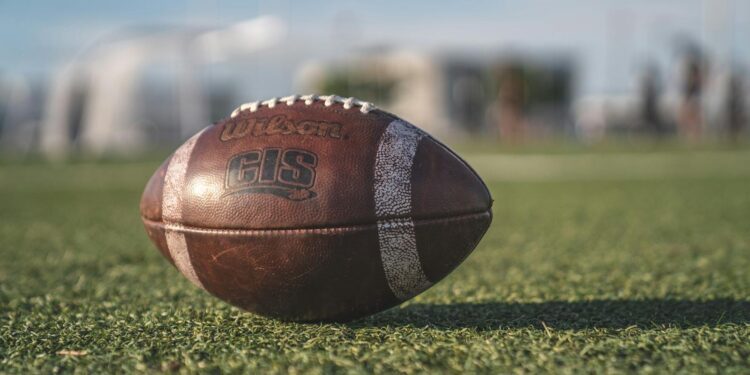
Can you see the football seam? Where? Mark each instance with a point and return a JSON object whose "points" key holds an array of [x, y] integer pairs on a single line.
{"points": [[320, 230]]}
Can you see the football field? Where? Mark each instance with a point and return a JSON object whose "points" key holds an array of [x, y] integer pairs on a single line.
{"points": [[617, 261]]}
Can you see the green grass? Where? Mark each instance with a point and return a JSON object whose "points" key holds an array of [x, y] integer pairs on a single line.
{"points": [[595, 263]]}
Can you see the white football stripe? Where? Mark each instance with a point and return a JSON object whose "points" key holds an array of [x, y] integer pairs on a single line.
{"points": [[396, 237], [174, 181], [178, 249]]}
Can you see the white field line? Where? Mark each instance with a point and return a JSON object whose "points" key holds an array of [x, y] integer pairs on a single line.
{"points": [[492, 168], [623, 166]]}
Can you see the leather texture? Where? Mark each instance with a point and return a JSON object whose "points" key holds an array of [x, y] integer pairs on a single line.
{"points": [[278, 211]]}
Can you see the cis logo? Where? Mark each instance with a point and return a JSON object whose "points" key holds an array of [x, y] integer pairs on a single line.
{"points": [[288, 173]]}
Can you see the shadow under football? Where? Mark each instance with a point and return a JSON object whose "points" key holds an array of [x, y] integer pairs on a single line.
{"points": [[575, 315]]}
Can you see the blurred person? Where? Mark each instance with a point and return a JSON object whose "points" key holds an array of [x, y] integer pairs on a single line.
{"points": [[20, 114], [690, 116], [3, 104], [650, 92], [735, 106], [507, 112]]}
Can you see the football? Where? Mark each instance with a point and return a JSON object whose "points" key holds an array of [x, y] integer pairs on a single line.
{"points": [[315, 208]]}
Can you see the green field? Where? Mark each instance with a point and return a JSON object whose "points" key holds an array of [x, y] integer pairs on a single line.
{"points": [[595, 262]]}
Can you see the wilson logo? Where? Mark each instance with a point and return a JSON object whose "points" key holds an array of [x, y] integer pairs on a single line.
{"points": [[286, 173], [278, 125]]}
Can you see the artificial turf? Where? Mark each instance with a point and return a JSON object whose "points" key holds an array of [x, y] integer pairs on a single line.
{"points": [[618, 265]]}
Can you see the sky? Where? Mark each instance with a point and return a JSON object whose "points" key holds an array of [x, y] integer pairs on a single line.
{"points": [[610, 40]]}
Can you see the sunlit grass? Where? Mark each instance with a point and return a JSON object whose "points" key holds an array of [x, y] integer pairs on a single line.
{"points": [[595, 262]]}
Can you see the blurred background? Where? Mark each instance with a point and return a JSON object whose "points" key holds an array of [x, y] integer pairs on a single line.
{"points": [[614, 137], [125, 78]]}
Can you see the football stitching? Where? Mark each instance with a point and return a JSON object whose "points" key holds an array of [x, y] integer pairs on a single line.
{"points": [[328, 100]]}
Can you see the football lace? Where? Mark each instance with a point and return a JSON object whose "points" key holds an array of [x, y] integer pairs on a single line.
{"points": [[328, 100]]}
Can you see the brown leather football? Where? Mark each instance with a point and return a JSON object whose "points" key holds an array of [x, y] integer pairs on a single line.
{"points": [[315, 208]]}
